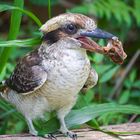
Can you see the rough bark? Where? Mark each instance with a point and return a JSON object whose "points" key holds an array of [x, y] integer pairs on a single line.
{"points": [[88, 134]]}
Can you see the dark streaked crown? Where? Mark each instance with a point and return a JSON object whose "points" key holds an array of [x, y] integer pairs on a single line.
{"points": [[78, 19]]}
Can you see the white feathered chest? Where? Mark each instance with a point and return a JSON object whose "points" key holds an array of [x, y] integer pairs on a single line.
{"points": [[66, 76]]}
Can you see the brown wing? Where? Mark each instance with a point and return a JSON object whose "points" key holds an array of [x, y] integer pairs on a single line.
{"points": [[28, 75], [91, 81]]}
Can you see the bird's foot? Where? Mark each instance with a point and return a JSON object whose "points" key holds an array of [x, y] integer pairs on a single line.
{"points": [[68, 133], [33, 132], [50, 136], [71, 135]]}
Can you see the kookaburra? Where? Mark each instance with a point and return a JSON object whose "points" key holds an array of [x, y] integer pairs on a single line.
{"points": [[50, 77]]}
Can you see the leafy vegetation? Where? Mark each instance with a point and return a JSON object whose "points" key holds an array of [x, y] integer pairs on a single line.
{"points": [[101, 102]]}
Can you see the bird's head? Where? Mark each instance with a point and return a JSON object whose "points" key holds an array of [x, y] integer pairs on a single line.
{"points": [[76, 27]]}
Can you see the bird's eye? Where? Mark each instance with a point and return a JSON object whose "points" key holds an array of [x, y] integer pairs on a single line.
{"points": [[71, 29]]}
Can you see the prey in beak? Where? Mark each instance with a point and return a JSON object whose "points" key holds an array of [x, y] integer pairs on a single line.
{"points": [[114, 48]]}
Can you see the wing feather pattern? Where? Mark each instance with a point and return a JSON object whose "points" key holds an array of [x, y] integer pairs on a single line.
{"points": [[28, 75]]}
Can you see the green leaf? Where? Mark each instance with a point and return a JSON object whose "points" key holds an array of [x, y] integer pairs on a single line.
{"points": [[136, 11], [124, 97], [98, 58], [13, 32], [101, 11], [103, 68], [89, 96], [83, 115], [128, 84], [108, 75], [94, 124], [4, 126], [44, 2], [4, 7], [135, 94], [19, 127], [49, 8], [91, 9], [5, 114], [81, 102], [108, 10], [133, 75], [116, 11], [3, 73], [136, 84], [101, 42], [79, 9], [21, 43], [127, 18], [7, 107], [125, 13]]}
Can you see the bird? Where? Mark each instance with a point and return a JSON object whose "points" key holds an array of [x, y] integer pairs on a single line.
{"points": [[50, 77]]}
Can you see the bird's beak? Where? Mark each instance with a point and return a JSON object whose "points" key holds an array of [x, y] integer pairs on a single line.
{"points": [[90, 44], [97, 33]]}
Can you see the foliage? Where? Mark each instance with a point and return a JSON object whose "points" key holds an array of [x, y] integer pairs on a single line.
{"points": [[120, 10], [15, 21], [44, 2], [96, 103]]}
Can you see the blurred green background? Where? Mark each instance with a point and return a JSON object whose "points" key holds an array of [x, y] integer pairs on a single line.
{"points": [[115, 99]]}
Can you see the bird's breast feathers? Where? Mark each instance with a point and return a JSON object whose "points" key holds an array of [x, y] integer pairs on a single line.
{"points": [[65, 72], [66, 77]]}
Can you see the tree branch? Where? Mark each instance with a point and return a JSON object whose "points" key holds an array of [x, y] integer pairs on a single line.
{"points": [[89, 134]]}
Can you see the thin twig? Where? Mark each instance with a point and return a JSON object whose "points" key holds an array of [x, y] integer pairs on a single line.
{"points": [[125, 73], [133, 118]]}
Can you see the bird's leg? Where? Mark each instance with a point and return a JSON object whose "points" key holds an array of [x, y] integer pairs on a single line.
{"points": [[63, 129], [32, 130], [31, 127]]}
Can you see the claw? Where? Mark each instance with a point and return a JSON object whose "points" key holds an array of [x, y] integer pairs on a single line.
{"points": [[51, 137], [72, 135]]}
